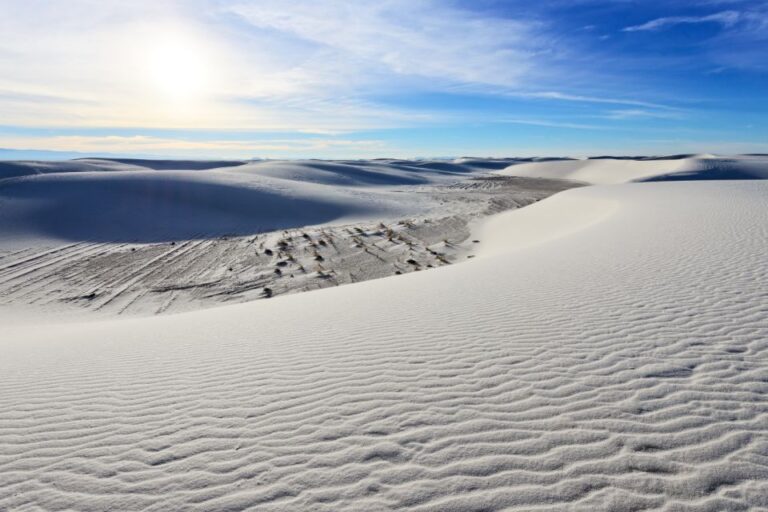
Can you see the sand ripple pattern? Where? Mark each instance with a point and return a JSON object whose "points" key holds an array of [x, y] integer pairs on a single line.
{"points": [[623, 367]]}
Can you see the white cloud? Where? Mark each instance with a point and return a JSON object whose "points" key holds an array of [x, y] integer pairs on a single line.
{"points": [[555, 124], [284, 65], [623, 114], [314, 66], [150, 145], [425, 38], [555, 95], [725, 18]]}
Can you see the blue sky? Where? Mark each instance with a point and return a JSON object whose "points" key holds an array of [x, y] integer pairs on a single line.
{"points": [[402, 78]]}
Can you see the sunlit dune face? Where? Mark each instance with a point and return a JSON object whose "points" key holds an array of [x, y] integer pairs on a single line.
{"points": [[176, 69]]}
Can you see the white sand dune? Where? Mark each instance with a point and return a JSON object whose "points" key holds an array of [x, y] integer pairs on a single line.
{"points": [[129, 200], [121, 201], [605, 171], [142, 207], [17, 169], [149, 237], [618, 362], [363, 173]]}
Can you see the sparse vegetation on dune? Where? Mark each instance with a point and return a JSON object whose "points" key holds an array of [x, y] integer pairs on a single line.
{"points": [[240, 268]]}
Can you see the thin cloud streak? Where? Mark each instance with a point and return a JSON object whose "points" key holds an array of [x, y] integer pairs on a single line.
{"points": [[641, 114], [725, 18], [406, 38], [140, 144], [553, 95], [555, 124]]}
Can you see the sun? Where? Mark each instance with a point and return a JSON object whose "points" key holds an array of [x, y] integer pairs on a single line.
{"points": [[177, 69]]}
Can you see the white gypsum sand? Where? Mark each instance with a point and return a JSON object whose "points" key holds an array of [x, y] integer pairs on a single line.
{"points": [[606, 350], [145, 240], [606, 171]]}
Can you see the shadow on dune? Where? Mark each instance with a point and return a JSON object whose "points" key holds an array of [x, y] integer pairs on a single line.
{"points": [[489, 165], [727, 174], [361, 173], [681, 156], [170, 165], [142, 207], [21, 168], [444, 167], [717, 170], [18, 169], [355, 173]]}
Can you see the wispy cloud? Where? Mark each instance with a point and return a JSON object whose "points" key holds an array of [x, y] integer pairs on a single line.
{"points": [[266, 64], [555, 124], [148, 145], [335, 68], [725, 18], [427, 39], [740, 44], [554, 95], [624, 114]]}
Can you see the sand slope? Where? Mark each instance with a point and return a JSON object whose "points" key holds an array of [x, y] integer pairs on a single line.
{"points": [[127, 236], [141, 201], [161, 277], [606, 171], [620, 365], [148, 206], [121, 201]]}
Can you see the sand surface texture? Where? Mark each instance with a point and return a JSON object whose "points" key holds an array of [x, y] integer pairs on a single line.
{"points": [[613, 358], [125, 239]]}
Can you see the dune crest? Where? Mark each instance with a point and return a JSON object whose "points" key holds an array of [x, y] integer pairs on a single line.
{"points": [[608, 171]]}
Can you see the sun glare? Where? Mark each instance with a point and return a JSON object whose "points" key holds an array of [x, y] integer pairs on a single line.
{"points": [[176, 69]]}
